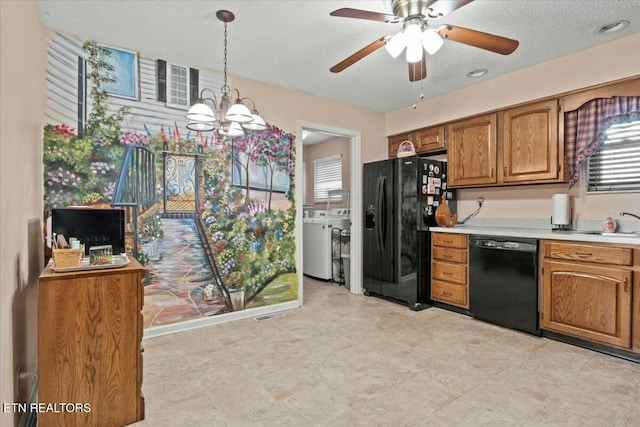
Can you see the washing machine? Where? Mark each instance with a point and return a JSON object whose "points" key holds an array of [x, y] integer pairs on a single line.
{"points": [[316, 238]]}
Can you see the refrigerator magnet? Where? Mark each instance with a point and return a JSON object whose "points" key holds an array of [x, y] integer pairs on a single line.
{"points": [[424, 179], [424, 189], [429, 200], [444, 185], [437, 182], [436, 170], [430, 167], [437, 191]]}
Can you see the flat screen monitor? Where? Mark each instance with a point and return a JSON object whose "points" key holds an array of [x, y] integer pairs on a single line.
{"points": [[93, 227]]}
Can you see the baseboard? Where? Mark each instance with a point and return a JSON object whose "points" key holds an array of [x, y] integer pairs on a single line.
{"points": [[187, 325]]}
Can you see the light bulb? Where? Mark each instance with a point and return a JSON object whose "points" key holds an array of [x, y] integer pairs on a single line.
{"points": [[414, 44], [431, 41], [396, 44]]}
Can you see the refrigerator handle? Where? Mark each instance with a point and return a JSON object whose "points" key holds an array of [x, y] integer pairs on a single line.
{"points": [[382, 230], [378, 211]]}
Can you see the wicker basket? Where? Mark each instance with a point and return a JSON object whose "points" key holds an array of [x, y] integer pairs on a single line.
{"points": [[406, 149], [65, 258]]}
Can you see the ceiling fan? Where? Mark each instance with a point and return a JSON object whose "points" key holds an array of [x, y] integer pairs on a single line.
{"points": [[418, 35]]}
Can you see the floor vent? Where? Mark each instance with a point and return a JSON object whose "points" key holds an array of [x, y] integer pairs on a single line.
{"points": [[269, 316]]}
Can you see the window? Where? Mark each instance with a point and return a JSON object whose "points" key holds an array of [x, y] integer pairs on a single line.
{"points": [[178, 79], [327, 175], [616, 164]]}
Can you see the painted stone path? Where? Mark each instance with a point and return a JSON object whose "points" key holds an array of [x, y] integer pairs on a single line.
{"points": [[173, 285]]}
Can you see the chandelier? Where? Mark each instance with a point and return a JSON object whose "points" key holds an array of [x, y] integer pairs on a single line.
{"points": [[230, 120]]}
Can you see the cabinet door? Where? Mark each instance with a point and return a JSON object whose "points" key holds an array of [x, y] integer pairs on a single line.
{"points": [[530, 143], [589, 302], [429, 139], [471, 152], [396, 140]]}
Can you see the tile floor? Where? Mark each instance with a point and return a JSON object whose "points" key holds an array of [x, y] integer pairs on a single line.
{"points": [[347, 360]]}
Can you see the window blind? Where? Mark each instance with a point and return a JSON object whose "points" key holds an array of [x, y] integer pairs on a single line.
{"points": [[616, 164], [327, 175]]}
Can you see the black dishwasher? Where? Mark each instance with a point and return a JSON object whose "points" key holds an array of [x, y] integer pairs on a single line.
{"points": [[503, 282]]}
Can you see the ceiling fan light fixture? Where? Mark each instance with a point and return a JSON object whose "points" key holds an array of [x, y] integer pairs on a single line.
{"points": [[396, 44], [414, 52], [431, 41]]}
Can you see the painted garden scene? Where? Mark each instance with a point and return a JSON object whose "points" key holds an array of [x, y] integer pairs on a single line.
{"points": [[211, 218]]}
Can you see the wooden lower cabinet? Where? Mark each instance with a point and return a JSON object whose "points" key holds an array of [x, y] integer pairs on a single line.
{"points": [[450, 269], [590, 302], [89, 346], [588, 292]]}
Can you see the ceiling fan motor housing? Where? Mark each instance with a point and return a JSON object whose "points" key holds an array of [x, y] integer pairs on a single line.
{"points": [[413, 8]]}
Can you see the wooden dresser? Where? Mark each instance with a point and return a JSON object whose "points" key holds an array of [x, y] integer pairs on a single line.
{"points": [[89, 346]]}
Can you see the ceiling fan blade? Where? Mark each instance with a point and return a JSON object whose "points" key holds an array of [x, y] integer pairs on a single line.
{"points": [[370, 48], [365, 14], [442, 8], [497, 44], [418, 70]]}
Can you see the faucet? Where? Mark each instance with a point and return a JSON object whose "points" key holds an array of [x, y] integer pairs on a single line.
{"points": [[630, 214]]}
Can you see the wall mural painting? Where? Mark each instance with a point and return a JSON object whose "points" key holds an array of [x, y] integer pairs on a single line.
{"points": [[213, 242]]}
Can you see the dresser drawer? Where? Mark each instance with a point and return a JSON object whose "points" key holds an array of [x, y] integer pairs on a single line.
{"points": [[450, 255], [590, 253], [449, 293], [450, 240], [456, 273]]}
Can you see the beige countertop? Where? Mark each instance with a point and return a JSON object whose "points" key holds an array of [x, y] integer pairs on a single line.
{"points": [[536, 233]]}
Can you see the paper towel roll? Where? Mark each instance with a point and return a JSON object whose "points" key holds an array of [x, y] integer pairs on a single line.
{"points": [[561, 209]]}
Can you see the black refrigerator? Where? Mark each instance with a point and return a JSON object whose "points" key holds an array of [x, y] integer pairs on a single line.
{"points": [[400, 199]]}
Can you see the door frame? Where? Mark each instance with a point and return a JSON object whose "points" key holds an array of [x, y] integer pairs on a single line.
{"points": [[355, 200]]}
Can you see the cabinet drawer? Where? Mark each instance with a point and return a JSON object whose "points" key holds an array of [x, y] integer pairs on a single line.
{"points": [[456, 273], [450, 240], [449, 293], [450, 255], [590, 253]]}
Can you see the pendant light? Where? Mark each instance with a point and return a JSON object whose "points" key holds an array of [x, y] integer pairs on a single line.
{"points": [[232, 120]]}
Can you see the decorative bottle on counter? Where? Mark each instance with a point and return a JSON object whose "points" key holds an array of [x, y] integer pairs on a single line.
{"points": [[610, 225]]}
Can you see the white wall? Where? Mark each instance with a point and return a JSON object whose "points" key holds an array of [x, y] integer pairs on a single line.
{"points": [[586, 68], [22, 71]]}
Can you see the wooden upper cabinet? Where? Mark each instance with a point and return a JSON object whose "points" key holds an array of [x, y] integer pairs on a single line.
{"points": [[472, 154], [429, 139], [425, 140], [530, 148], [395, 141]]}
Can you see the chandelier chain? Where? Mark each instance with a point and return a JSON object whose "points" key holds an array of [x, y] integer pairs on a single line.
{"points": [[225, 89]]}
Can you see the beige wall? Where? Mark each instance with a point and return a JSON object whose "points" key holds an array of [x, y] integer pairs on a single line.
{"points": [[22, 71], [285, 107], [324, 149], [586, 68]]}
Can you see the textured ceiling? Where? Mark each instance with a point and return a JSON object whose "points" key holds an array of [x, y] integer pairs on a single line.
{"points": [[294, 43]]}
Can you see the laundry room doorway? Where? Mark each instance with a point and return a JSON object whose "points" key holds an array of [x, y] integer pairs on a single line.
{"points": [[322, 152]]}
